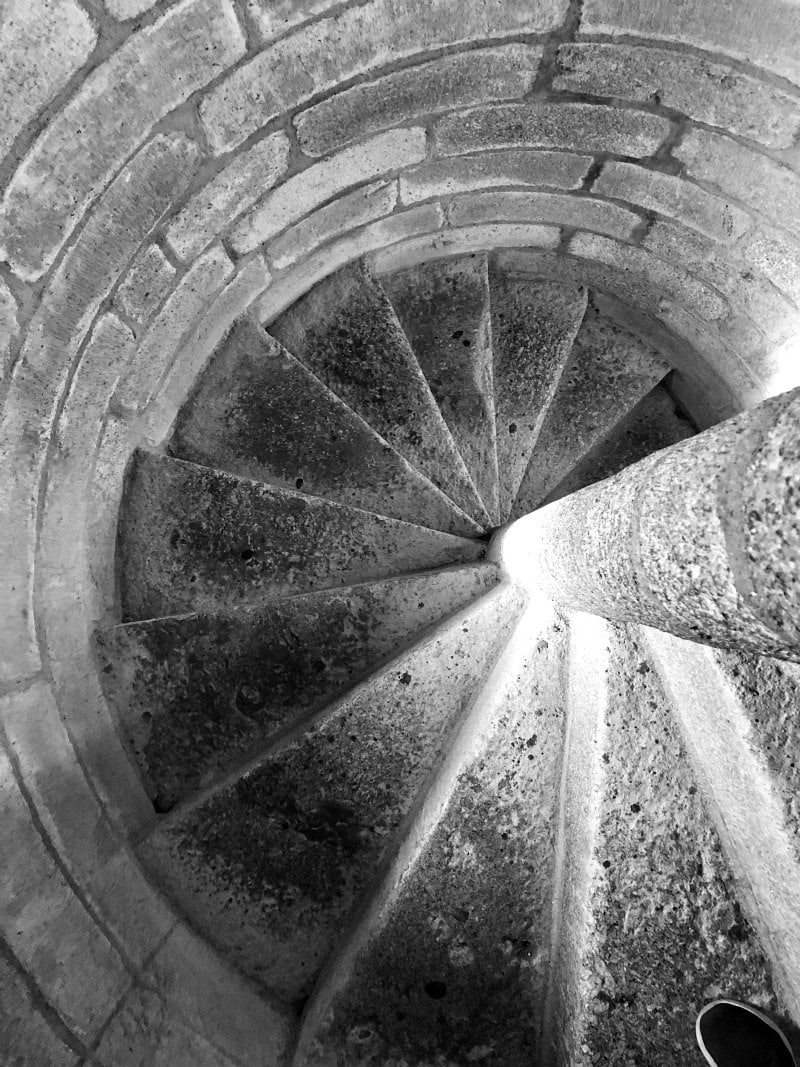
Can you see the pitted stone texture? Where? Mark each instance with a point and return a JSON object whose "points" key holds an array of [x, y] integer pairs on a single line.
{"points": [[195, 539], [533, 327], [576, 127], [346, 332], [353, 42], [674, 197], [228, 195], [273, 867], [298, 196], [146, 284], [259, 413], [444, 311], [707, 91], [608, 373], [197, 694], [465, 240], [9, 327], [458, 972], [26, 1035], [766, 187], [365, 205], [582, 212], [669, 933], [128, 9], [454, 81], [444, 177], [777, 257], [764, 34], [110, 116], [44, 43], [275, 18]]}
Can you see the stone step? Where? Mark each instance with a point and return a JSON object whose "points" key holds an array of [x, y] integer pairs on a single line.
{"points": [[346, 332], [655, 423], [443, 306], [274, 862], [534, 323], [609, 372], [196, 539], [258, 412], [455, 967], [195, 694]]}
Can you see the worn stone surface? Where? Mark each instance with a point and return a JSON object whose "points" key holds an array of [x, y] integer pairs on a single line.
{"points": [[609, 372], [346, 333], [444, 310], [197, 694], [275, 18], [107, 119], [582, 212], [44, 43], [714, 93], [146, 284], [273, 867], [228, 195], [128, 9], [461, 80], [576, 127], [777, 257], [257, 412], [674, 197], [195, 539], [9, 327], [354, 41], [298, 196], [458, 972], [464, 240], [533, 327], [26, 1035], [444, 177]]}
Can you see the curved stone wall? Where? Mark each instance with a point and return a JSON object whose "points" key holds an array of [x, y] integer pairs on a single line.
{"points": [[168, 166]]}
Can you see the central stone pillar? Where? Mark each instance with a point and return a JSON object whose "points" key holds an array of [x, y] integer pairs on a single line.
{"points": [[701, 539]]}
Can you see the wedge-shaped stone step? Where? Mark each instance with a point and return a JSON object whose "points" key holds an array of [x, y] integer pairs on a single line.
{"points": [[443, 306], [272, 864], [258, 412], [196, 539], [456, 970], [607, 375], [653, 424], [346, 332], [196, 694], [534, 323]]}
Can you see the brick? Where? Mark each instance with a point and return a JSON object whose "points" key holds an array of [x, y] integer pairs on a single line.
{"points": [[488, 170], [128, 210], [46, 925], [128, 9], [9, 327], [674, 197], [582, 212], [227, 196], [44, 43], [763, 34], [301, 194], [160, 344], [576, 127], [474, 77], [763, 185], [348, 212], [355, 41], [146, 284], [777, 257], [461, 241], [710, 92], [25, 1034], [107, 119]]}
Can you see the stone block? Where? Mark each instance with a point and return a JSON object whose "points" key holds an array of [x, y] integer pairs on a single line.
{"points": [[348, 212], [454, 81], [275, 18], [108, 118], [445, 177], [228, 195], [9, 327], [674, 197], [128, 9], [44, 43], [764, 34], [26, 1036], [356, 40], [301, 194], [777, 257], [463, 240], [710, 92], [582, 212], [767, 188], [575, 127], [146, 284]]}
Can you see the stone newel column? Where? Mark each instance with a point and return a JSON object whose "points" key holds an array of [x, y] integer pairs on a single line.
{"points": [[701, 539]]}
